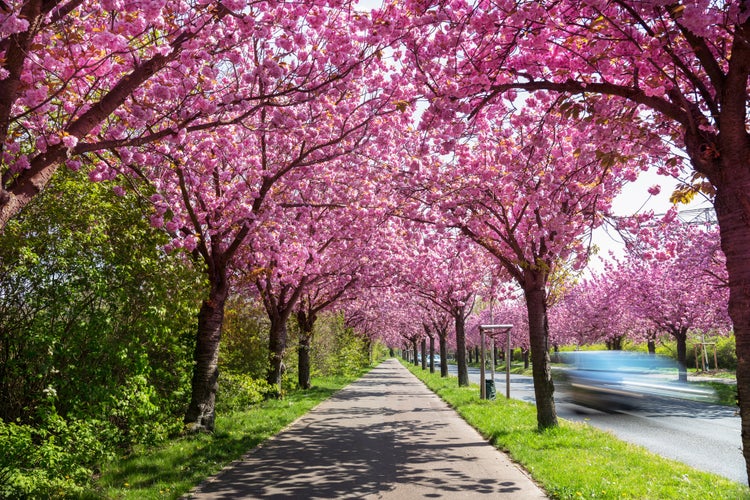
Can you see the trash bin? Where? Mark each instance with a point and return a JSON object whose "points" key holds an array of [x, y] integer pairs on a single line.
{"points": [[489, 389]]}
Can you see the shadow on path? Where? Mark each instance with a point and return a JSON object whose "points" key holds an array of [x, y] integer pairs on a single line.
{"points": [[383, 436]]}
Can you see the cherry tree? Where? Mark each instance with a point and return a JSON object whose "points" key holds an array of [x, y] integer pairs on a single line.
{"points": [[321, 293], [277, 265], [529, 191], [226, 198], [386, 314], [595, 310], [343, 252], [79, 78], [682, 67], [351, 270], [679, 285], [213, 103], [445, 270], [437, 323], [218, 189]]}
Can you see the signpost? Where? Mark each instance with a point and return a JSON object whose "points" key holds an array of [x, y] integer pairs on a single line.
{"points": [[493, 331]]}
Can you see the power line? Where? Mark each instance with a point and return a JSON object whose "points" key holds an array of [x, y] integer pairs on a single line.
{"points": [[706, 216]]}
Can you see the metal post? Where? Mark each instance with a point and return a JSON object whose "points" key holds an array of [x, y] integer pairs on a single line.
{"points": [[482, 383], [507, 369], [492, 358], [493, 331], [492, 343]]}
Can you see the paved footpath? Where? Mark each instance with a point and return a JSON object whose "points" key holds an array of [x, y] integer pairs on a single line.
{"points": [[384, 436]]}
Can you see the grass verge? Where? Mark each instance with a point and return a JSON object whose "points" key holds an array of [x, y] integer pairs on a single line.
{"points": [[726, 394], [576, 460], [173, 469]]}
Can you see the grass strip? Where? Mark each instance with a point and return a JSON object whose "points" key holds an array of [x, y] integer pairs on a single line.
{"points": [[172, 469], [726, 394], [576, 460]]}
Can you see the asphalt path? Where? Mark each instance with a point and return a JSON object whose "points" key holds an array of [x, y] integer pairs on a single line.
{"points": [[384, 436], [704, 436]]}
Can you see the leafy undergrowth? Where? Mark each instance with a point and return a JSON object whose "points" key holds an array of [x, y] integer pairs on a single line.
{"points": [[172, 470], [576, 460]]}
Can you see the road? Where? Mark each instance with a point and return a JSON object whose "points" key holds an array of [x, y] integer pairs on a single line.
{"points": [[703, 436]]}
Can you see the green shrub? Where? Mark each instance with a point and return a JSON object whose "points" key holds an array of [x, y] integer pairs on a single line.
{"points": [[238, 392], [55, 459], [244, 338], [726, 352], [135, 410], [352, 356]]}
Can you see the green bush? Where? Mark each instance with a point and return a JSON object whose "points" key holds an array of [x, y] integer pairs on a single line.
{"points": [[244, 338], [351, 356], [726, 352], [97, 331], [135, 410], [54, 459], [238, 392]]}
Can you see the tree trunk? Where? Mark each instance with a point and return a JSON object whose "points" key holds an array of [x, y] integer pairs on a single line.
{"points": [[733, 213], [728, 169], [368, 350], [614, 344], [276, 350], [303, 362], [525, 355], [443, 341], [432, 354], [416, 351], [463, 367], [680, 334], [651, 343], [201, 413], [306, 324], [424, 353], [544, 388]]}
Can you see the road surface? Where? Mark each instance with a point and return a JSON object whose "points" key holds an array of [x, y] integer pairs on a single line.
{"points": [[703, 436]]}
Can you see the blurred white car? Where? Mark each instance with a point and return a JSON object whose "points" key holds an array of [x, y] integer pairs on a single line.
{"points": [[613, 380]]}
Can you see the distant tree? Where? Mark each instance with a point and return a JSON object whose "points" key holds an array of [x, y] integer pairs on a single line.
{"points": [[446, 272], [678, 285], [595, 311]]}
